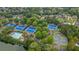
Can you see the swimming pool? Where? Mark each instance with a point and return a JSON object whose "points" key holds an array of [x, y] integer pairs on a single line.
{"points": [[16, 35]]}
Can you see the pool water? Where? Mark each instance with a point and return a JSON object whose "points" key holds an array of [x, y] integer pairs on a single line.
{"points": [[16, 35]]}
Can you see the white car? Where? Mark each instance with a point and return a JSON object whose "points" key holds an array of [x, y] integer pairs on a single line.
{"points": [[77, 44]]}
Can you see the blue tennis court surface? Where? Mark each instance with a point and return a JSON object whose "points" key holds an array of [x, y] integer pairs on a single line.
{"points": [[20, 27], [11, 25], [52, 27], [30, 29]]}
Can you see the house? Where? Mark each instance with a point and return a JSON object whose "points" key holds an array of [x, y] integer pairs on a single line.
{"points": [[2, 17], [52, 27], [77, 24], [18, 16], [14, 16]]}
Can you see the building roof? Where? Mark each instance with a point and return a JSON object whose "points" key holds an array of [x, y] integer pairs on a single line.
{"points": [[11, 25], [30, 29], [52, 26], [20, 27]]}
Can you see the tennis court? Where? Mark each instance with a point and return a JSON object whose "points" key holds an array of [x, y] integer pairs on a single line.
{"points": [[30, 29], [20, 27], [52, 27]]}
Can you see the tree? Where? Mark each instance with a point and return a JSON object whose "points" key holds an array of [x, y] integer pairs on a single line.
{"points": [[34, 46], [39, 28], [16, 20], [47, 47], [38, 34], [29, 22], [47, 43], [43, 41], [45, 33], [76, 48], [25, 19], [35, 23], [71, 43], [7, 30], [27, 42], [50, 39]]}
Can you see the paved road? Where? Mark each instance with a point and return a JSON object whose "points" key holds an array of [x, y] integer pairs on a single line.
{"points": [[9, 47]]}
